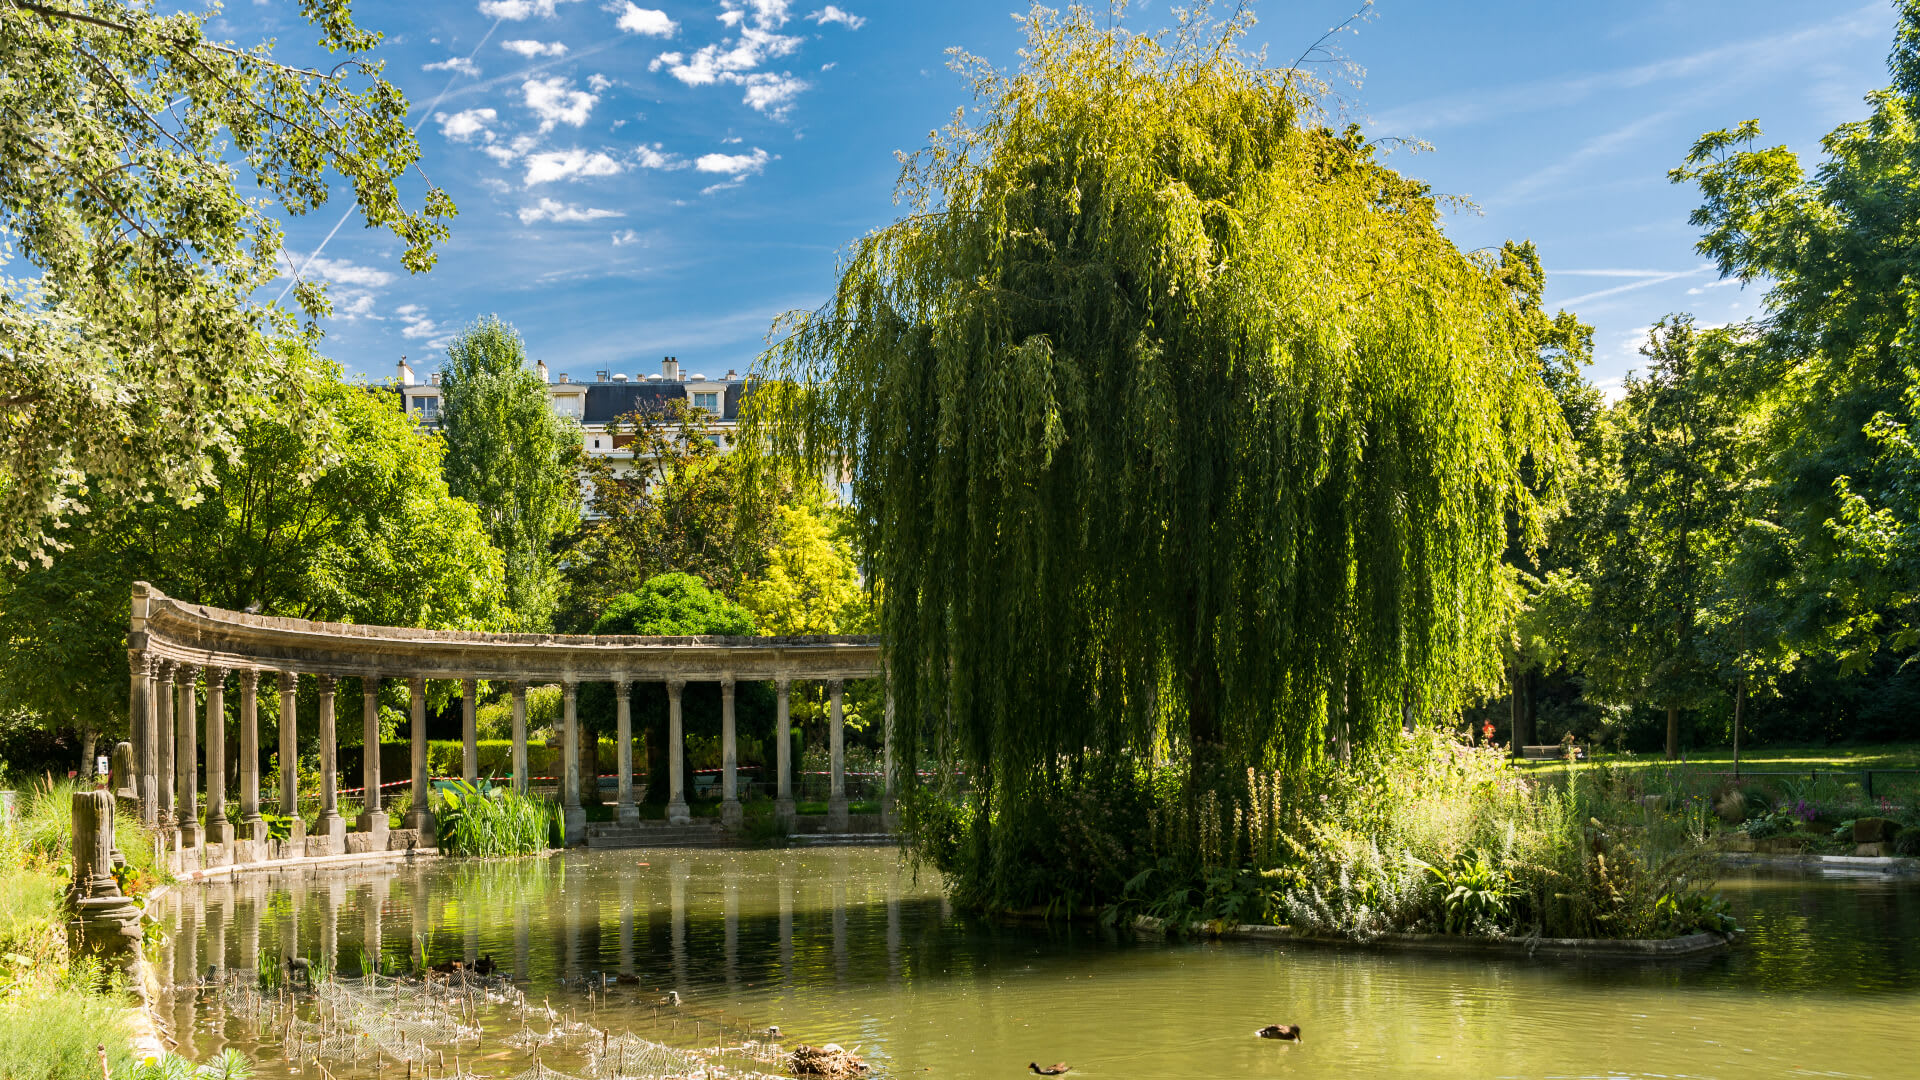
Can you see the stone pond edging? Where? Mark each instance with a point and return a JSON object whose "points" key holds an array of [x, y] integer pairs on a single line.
{"points": [[1610, 948], [1890, 865]]}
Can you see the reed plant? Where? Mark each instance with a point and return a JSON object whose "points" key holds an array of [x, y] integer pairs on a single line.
{"points": [[481, 820]]}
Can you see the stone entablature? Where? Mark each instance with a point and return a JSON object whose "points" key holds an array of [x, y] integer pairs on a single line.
{"points": [[168, 629]]}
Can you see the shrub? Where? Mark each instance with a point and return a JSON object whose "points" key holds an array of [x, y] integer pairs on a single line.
{"points": [[54, 1035], [482, 820], [44, 834], [1907, 841]]}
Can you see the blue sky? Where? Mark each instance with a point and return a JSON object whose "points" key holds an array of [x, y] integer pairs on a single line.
{"points": [[642, 179]]}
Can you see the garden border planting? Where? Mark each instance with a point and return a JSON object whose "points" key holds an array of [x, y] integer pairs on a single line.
{"points": [[1625, 948]]}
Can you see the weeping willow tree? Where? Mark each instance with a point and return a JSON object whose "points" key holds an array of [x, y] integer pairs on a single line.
{"points": [[1178, 429]]}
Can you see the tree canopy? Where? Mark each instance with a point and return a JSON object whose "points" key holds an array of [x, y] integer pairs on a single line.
{"points": [[674, 605], [511, 456], [128, 354], [1173, 418], [333, 509], [811, 584]]}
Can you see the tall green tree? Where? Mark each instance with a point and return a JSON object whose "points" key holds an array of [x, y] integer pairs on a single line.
{"points": [[1677, 454], [1174, 420], [512, 456], [683, 507], [1833, 352], [811, 584], [132, 149], [334, 508]]}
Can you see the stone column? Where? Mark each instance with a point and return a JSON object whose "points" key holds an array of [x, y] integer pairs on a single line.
{"points": [[837, 749], [731, 815], [572, 813], [783, 736], [373, 817], [163, 745], [219, 829], [330, 824], [186, 758], [520, 778], [677, 811], [139, 731], [250, 819], [623, 717], [290, 763], [421, 816], [888, 820], [469, 735]]}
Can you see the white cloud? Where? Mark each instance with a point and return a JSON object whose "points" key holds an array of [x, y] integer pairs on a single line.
{"points": [[530, 48], [512, 151], [831, 14], [555, 101], [515, 10], [664, 59], [830, 65], [355, 306], [339, 271], [559, 212], [646, 22], [568, 165], [652, 157], [771, 94], [735, 165], [598, 82], [419, 326], [625, 237], [454, 63], [464, 125]]}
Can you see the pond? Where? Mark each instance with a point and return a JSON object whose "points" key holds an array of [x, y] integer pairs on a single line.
{"points": [[847, 945]]}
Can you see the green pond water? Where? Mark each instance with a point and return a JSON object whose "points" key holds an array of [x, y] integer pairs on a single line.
{"points": [[848, 946]]}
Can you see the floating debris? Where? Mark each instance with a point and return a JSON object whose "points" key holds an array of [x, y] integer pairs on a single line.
{"points": [[831, 1060]]}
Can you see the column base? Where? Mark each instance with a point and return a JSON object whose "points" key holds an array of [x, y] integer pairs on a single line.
{"points": [[221, 833], [731, 816], [333, 828], [785, 812], [375, 822], [890, 813], [837, 814], [256, 830], [420, 820], [628, 813], [191, 835], [678, 813], [575, 819]]}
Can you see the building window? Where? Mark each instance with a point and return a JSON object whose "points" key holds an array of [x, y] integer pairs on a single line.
{"points": [[596, 444], [708, 401], [428, 407]]}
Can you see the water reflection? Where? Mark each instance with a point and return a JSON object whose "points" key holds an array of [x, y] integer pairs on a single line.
{"points": [[849, 946]]}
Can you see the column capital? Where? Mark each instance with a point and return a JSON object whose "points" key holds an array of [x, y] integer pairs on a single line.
{"points": [[185, 672], [676, 686], [623, 688], [289, 681], [163, 669], [216, 674], [417, 683], [784, 682], [836, 685], [726, 684], [570, 688], [372, 680], [250, 678], [140, 664], [327, 682]]}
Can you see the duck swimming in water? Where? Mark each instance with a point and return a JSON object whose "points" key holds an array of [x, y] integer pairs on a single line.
{"points": [[1288, 1032], [1058, 1068]]}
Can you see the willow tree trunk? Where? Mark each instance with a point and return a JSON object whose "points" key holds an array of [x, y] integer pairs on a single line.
{"points": [[1673, 732]]}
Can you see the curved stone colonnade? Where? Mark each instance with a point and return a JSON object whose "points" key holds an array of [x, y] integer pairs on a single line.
{"points": [[172, 645]]}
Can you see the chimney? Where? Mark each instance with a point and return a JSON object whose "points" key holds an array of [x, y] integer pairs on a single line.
{"points": [[436, 378], [406, 373], [563, 376], [541, 367], [731, 375], [670, 369]]}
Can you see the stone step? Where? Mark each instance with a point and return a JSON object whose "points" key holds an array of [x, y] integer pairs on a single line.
{"points": [[844, 839], [615, 835]]}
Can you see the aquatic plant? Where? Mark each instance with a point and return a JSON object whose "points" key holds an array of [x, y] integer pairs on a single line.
{"points": [[482, 820]]}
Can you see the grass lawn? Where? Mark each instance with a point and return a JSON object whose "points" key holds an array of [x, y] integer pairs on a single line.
{"points": [[1766, 759]]}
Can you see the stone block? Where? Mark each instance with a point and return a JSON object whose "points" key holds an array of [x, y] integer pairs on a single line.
{"points": [[359, 843], [1874, 830], [1877, 849]]}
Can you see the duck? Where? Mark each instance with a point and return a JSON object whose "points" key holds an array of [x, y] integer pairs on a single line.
{"points": [[627, 980], [672, 998], [1058, 1068], [300, 970], [1288, 1032], [773, 1032], [449, 967]]}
